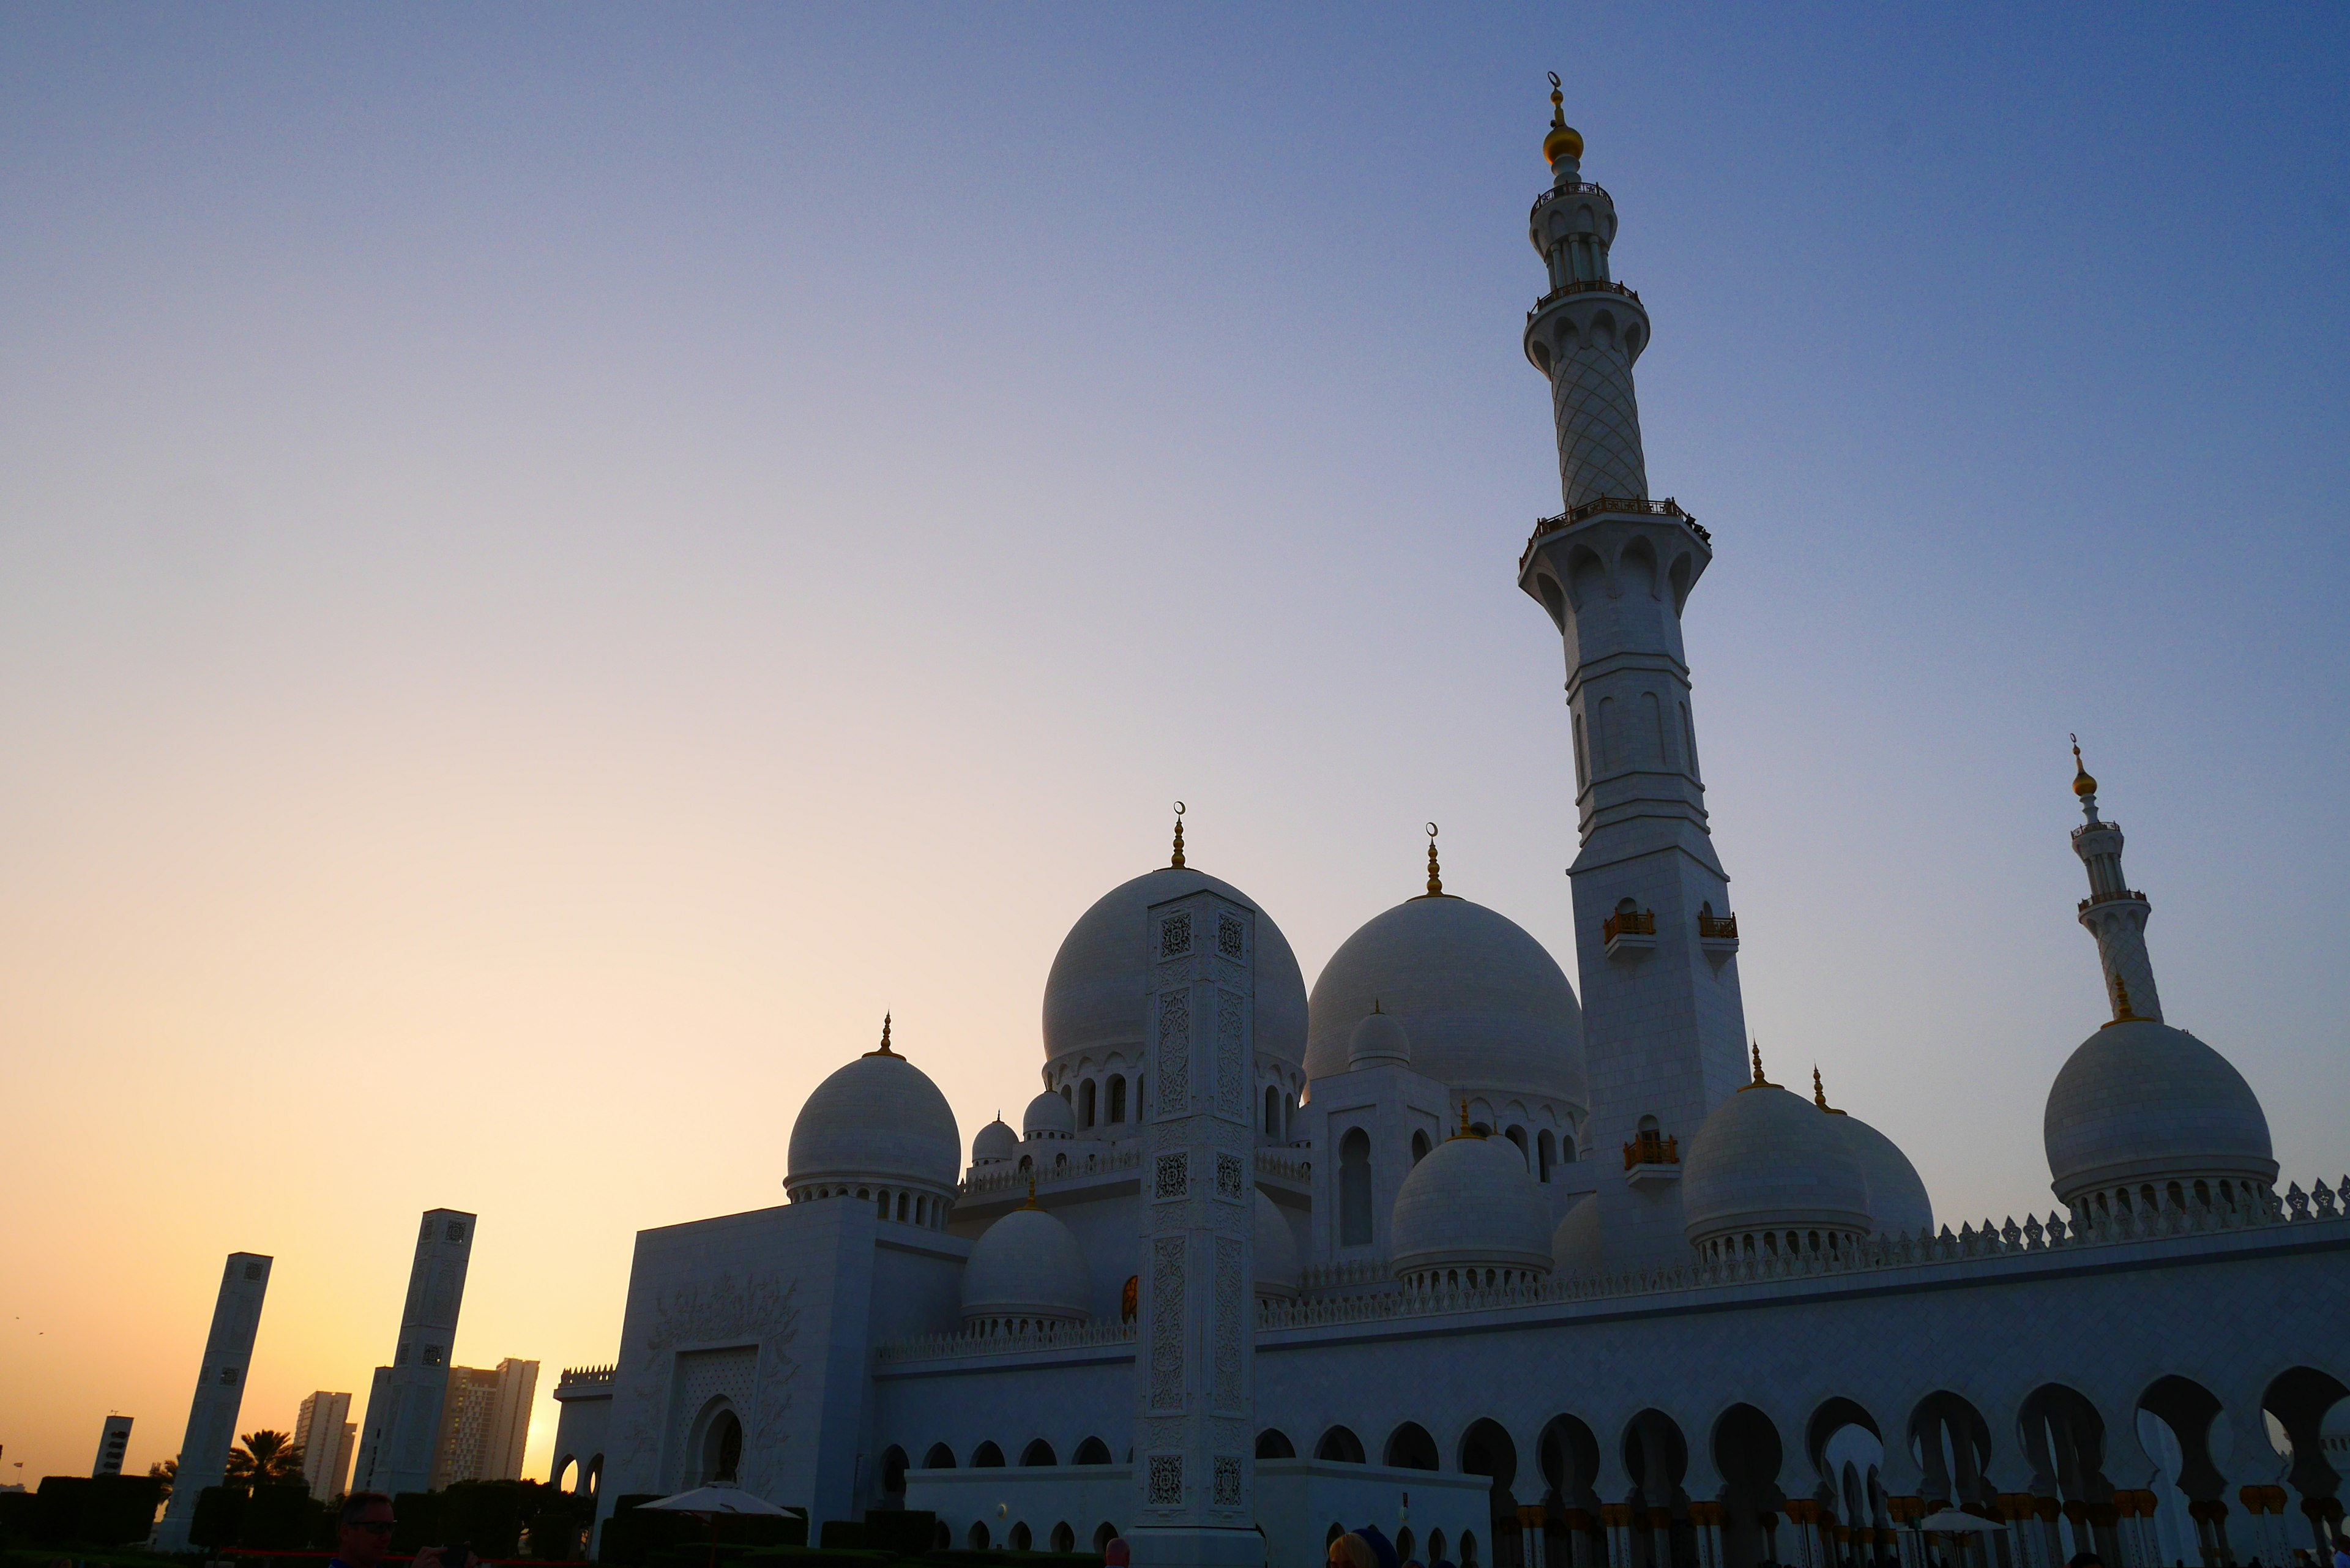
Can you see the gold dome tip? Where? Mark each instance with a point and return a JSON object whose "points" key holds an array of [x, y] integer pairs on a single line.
{"points": [[2082, 784], [1564, 140], [1178, 861], [885, 1049]]}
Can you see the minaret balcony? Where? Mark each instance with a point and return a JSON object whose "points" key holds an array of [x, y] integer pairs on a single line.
{"points": [[1651, 1160], [2127, 895], [1717, 933], [1629, 932], [1609, 506], [1573, 188], [1581, 286]]}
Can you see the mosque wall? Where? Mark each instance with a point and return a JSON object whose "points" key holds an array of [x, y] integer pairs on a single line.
{"points": [[764, 1318]]}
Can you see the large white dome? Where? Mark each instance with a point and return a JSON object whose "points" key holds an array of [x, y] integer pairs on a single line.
{"points": [[1766, 1163], [1093, 998], [1897, 1203], [879, 1118], [1048, 1116], [1026, 1265], [1278, 1273], [1470, 1206], [1486, 1006], [995, 1143], [2141, 1102]]}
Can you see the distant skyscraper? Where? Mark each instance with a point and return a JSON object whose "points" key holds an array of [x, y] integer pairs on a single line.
{"points": [[403, 1415], [484, 1423], [220, 1391], [111, 1444], [324, 1433]]}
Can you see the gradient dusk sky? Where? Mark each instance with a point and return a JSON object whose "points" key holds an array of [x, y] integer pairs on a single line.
{"points": [[555, 562]]}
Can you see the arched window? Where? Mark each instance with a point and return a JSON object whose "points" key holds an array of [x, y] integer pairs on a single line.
{"points": [[1273, 1443], [1037, 1454], [1355, 1188], [566, 1474], [1103, 1536], [1419, 1147], [1064, 1538], [1019, 1537], [885, 1204], [940, 1458], [1545, 1154], [595, 1482], [987, 1457], [1092, 1452], [1116, 1098], [1518, 1135], [1271, 1111], [893, 1471], [905, 1206], [1339, 1446], [978, 1537], [722, 1447], [1086, 1104]]}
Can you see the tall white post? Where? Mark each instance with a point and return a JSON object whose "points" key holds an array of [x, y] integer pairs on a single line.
{"points": [[403, 1418], [1194, 1447], [220, 1394]]}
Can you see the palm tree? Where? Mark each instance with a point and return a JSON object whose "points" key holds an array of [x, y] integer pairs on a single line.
{"points": [[166, 1472], [266, 1458]]}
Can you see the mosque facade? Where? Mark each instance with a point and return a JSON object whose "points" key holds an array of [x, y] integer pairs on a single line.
{"points": [[1527, 1277]]}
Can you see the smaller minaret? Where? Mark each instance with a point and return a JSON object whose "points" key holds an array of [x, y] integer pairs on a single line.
{"points": [[2114, 912]]}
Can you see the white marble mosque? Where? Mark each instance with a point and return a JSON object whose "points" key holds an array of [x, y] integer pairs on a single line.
{"points": [[1521, 1274]]}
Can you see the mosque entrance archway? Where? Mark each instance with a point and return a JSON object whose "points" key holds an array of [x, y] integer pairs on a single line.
{"points": [[2180, 1424], [2299, 1399], [1747, 1453], [1486, 1450], [1567, 1454], [1656, 1455], [1848, 1452], [2064, 1440]]}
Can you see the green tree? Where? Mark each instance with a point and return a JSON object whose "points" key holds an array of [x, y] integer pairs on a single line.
{"points": [[166, 1472], [264, 1459]]}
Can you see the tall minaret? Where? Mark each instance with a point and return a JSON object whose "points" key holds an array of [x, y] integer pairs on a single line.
{"points": [[1664, 1027], [2113, 912]]}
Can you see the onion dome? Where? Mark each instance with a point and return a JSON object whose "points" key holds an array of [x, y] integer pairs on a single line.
{"points": [[995, 1143], [1048, 1116], [1575, 1245], [1378, 1041], [1897, 1203], [1770, 1172], [1277, 1272], [1093, 998], [1564, 140], [1470, 1213], [876, 1120], [1487, 1007], [2141, 1105], [1026, 1268]]}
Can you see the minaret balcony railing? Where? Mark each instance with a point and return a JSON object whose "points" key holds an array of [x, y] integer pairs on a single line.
{"points": [[1576, 188], [1629, 923], [1652, 1149], [1717, 927], [1581, 286], [1629, 505], [2126, 893]]}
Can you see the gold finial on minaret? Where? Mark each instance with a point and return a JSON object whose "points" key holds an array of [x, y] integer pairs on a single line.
{"points": [[1819, 1094], [1563, 141], [1466, 1130], [885, 1049], [2082, 784], [1435, 875], [1178, 861]]}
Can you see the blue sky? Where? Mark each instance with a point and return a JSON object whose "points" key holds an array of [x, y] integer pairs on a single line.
{"points": [[554, 562]]}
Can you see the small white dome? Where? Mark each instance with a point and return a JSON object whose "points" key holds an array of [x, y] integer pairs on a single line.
{"points": [[878, 1119], [2141, 1102], [995, 1143], [1278, 1273], [1093, 997], [1766, 1162], [1471, 1203], [1574, 1250], [1486, 1006], [1897, 1203], [1026, 1265], [1048, 1116], [1379, 1041]]}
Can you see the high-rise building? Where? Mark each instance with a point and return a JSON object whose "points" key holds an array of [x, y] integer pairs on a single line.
{"points": [[484, 1423], [325, 1434], [403, 1415], [111, 1444], [220, 1393]]}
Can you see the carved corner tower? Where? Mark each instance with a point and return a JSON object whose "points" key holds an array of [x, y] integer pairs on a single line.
{"points": [[1194, 1417], [1656, 939]]}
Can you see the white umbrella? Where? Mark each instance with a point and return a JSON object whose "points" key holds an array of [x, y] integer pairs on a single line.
{"points": [[1951, 1520], [708, 1501]]}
